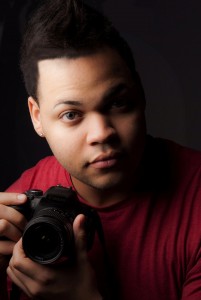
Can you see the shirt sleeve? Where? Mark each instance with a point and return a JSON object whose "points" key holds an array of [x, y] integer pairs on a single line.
{"points": [[46, 173]]}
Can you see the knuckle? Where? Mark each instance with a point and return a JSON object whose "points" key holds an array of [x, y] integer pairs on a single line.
{"points": [[38, 288], [16, 262], [34, 292], [4, 226], [2, 209], [46, 279], [6, 212]]}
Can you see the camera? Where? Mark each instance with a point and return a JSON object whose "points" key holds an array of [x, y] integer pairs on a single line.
{"points": [[48, 236]]}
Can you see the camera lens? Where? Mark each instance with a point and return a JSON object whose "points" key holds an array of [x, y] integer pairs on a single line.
{"points": [[45, 240], [45, 236]]}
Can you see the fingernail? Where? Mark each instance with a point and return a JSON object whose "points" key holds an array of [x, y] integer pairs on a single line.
{"points": [[21, 197]]}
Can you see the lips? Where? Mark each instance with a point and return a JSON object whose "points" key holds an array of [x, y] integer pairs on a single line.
{"points": [[103, 161]]}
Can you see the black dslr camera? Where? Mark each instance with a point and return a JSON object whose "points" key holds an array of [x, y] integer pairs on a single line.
{"points": [[48, 237]]}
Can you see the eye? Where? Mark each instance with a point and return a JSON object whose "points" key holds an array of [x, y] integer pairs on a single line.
{"points": [[118, 103], [121, 105], [70, 116]]}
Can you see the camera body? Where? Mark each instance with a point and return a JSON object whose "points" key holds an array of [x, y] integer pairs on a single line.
{"points": [[48, 236]]}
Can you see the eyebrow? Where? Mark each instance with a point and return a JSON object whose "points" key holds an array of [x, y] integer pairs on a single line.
{"points": [[68, 102], [117, 89]]}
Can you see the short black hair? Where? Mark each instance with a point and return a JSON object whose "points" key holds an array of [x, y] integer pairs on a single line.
{"points": [[67, 28]]}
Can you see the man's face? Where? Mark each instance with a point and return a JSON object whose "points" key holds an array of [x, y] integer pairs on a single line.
{"points": [[92, 115]]}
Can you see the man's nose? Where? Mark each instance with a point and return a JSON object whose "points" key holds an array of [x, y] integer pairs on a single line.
{"points": [[100, 129]]}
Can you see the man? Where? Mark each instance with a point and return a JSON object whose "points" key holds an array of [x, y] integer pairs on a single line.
{"points": [[86, 99]]}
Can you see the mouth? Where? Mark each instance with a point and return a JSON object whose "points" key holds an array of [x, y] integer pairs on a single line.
{"points": [[105, 161]]}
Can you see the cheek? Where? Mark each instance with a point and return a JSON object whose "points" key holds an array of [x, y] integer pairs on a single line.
{"points": [[65, 152], [65, 146], [132, 128], [61, 146]]}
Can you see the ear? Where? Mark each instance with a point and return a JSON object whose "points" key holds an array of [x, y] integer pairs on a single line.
{"points": [[34, 111]]}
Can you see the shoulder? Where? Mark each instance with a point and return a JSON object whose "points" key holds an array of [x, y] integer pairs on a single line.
{"points": [[184, 165], [47, 172], [176, 154], [168, 165], [182, 158]]}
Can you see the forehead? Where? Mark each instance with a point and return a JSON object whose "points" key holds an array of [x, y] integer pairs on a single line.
{"points": [[79, 75]]}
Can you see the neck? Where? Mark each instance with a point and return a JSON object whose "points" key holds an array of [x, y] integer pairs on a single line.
{"points": [[102, 198]]}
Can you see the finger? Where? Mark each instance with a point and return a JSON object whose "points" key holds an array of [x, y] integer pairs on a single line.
{"points": [[12, 198], [9, 231], [25, 273], [23, 281], [20, 262], [33, 288], [6, 247], [23, 264], [12, 216], [14, 276], [80, 236]]}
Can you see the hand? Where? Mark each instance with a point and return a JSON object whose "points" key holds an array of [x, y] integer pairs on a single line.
{"points": [[58, 281], [11, 226], [12, 222]]}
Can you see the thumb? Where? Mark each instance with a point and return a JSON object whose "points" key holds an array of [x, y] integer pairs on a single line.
{"points": [[80, 236]]}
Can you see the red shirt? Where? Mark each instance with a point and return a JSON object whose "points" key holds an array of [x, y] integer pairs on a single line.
{"points": [[153, 239]]}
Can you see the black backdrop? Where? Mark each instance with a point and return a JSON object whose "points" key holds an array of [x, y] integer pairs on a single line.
{"points": [[166, 41], [20, 146]]}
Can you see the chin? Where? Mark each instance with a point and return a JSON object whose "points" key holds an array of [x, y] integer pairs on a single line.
{"points": [[104, 184]]}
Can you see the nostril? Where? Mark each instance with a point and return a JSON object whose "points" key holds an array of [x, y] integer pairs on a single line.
{"points": [[100, 137]]}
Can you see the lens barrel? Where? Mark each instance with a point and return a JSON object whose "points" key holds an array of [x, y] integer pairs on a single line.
{"points": [[48, 237]]}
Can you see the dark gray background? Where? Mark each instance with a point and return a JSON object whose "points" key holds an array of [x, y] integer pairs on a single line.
{"points": [[166, 40]]}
